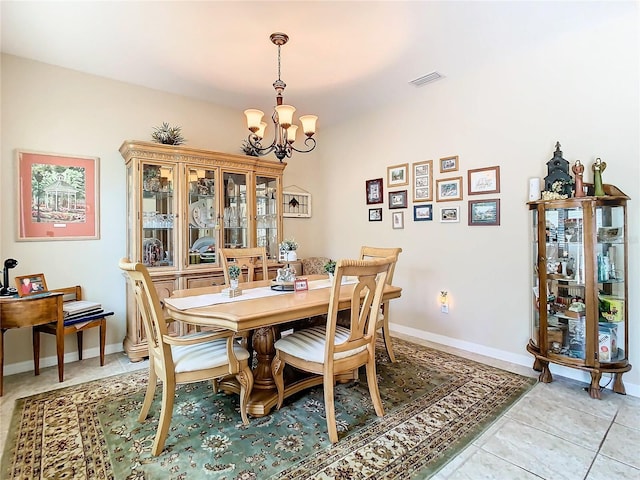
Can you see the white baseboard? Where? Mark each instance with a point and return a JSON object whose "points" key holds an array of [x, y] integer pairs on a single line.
{"points": [[71, 356], [524, 360]]}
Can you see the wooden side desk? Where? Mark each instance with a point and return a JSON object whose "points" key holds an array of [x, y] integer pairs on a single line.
{"points": [[26, 312]]}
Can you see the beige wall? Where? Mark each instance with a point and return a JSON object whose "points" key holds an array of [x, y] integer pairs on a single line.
{"points": [[581, 90], [49, 109]]}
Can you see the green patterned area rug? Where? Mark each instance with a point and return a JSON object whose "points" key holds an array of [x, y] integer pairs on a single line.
{"points": [[435, 404]]}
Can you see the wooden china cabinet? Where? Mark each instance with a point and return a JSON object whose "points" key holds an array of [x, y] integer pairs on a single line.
{"points": [[182, 205], [580, 294]]}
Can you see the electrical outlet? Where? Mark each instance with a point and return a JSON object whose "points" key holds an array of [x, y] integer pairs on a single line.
{"points": [[444, 308]]}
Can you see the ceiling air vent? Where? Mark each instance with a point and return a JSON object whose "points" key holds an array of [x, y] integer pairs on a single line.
{"points": [[428, 78]]}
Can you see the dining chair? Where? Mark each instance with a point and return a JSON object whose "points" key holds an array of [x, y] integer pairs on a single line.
{"points": [[247, 259], [331, 349], [191, 358], [65, 326], [382, 319]]}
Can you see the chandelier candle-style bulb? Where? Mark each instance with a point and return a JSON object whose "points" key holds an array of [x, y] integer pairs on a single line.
{"points": [[285, 115], [285, 129], [308, 124], [260, 132], [254, 117], [291, 133]]}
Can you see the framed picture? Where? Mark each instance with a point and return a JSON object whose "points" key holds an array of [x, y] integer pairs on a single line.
{"points": [[57, 197], [295, 204], [449, 164], [484, 180], [374, 191], [300, 284], [398, 175], [423, 181], [449, 214], [484, 212], [449, 189], [422, 213], [398, 199], [375, 214], [397, 220], [31, 284]]}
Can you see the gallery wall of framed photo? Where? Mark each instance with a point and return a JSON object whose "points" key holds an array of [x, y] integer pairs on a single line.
{"points": [[417, 182]]}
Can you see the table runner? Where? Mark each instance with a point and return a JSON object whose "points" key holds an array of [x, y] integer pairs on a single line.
{"points": [[208, 299]]}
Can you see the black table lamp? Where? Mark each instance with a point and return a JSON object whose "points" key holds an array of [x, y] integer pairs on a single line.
{"points": [[9, 263]]}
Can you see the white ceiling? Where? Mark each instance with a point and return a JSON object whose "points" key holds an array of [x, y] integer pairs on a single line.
{"points": [[342, 57]]}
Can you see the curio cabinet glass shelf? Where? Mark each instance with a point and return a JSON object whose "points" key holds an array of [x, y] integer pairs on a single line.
{"points": [[580, 298]]}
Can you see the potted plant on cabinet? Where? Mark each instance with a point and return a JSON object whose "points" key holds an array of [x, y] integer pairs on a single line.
{"points": [[288, 250]]}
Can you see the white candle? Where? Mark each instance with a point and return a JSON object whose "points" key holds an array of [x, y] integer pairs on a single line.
{"points": [[534, 189]]}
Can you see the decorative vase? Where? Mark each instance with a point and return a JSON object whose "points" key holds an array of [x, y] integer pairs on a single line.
{"points": [[292, 256], [234, 283]]}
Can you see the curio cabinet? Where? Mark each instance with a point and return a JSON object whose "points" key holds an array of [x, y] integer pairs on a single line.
{"points": [[580, 295]]}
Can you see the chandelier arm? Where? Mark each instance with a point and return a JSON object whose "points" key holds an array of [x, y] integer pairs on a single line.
{"points": [[306, 142], [254, 141]]}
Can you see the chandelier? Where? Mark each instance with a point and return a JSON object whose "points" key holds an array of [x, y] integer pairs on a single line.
{"points": [[285, 130]]}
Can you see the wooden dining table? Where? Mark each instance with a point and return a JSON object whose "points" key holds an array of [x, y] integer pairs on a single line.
{"points": [[264, 317]]}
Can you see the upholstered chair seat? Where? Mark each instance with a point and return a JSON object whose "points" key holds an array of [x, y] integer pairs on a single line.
{"points": [[310, 344], [188, 358]]}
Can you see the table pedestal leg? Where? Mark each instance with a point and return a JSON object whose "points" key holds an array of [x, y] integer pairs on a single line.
{"points": [[263, 340]]}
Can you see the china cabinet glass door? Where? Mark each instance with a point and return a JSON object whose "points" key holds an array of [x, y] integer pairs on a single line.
{"points": [[203, 215], [612, 289], [565, 282], [158, 215], [235, 215], [267, 215], [537, 300]]}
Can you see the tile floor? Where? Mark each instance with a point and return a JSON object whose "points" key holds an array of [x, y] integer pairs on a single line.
{"points": [[554, 432]]}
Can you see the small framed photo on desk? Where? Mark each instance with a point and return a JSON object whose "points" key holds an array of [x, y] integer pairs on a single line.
{"points": [[300, 284], [31, 284]]}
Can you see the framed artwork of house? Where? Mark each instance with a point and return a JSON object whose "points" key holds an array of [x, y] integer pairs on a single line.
{"points": [[57, 197]]}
